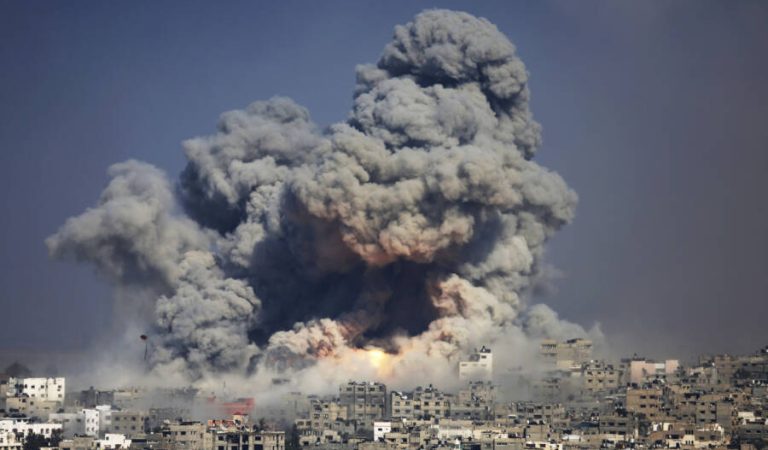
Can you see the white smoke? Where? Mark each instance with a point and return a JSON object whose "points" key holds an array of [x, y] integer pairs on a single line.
{"points": [[388, 245]]}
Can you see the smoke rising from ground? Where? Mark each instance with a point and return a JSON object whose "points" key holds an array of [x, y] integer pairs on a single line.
{"points": [[388, 245]]}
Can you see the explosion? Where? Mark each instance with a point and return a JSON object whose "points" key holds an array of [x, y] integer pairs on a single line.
{"points": [[397, 240]]}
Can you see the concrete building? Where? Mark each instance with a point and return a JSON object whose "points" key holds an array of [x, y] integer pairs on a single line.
{"points": [[619, 423], [599, 377], [641, 370], [380, 429], [365, 402], [31, 406], [112, 441], [244, 439], [90, 422], [50, 389], [325, 414], [184, 435], [24, 427], [400, 405], [479, 367], [71, 423], [8, 441], [129, 423], [646, 402], [92, 397], [755, 430], [78, 443], [429, 402], [474, 402], [566, 355]]}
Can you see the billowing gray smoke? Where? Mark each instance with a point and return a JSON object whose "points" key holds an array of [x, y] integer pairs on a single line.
{"points": [[410, 232]]}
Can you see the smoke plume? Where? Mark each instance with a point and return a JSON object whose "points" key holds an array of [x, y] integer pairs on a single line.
{"points": [[389, 244]]}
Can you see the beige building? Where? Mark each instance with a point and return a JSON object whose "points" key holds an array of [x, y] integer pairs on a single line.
{"points": [[8, 441], [325, 415], [567, 354], [641, 370], [129, 423], [31, 406], [78, 443], [429, 402], [183, 436], [365, 402], [599, 377], [474, 402], [401, 405], [646, 402]]}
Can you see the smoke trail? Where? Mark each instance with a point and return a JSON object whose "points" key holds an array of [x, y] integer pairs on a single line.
{"points": [[414, 227]]}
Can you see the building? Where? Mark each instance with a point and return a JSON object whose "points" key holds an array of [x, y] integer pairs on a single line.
{"points": [[91, 422], [49, 389], [78, 443], [24, 427], [326, 415], [184, 435], [71, 423], [429, 402], [599, 377], [244, 439], [31, 406], [646, 402], [112, 441], [380, 429], [365, 402], [8, 441], [566, 355], [479, 367], [92, 397], [641, 370], [400, 405], [474, 402], [129, 423]]}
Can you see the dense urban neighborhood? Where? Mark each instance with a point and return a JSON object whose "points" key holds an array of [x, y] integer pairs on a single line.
{"points": [[575, 402]]}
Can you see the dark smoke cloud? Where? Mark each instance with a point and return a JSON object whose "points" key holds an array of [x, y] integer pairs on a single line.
{"points": [[415, 227]]}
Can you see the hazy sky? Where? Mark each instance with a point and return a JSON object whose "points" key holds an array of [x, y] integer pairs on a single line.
{"points": [[655, 113]]}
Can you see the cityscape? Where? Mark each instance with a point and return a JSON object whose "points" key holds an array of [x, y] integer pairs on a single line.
{"points": [[369, 225], [575, 402]]}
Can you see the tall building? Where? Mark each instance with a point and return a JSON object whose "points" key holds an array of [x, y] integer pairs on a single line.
{"points": [[479, 367], [365, 401]]}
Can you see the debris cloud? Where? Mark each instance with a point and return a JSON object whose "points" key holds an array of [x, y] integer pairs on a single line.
{"points": [[391, 243]]}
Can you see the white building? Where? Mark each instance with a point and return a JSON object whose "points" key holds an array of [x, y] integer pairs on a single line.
{"points": [[22, 426], [8, 441], [90, 418], [86, 422], [479, 367], [51, 389], [113, 441], [380, 429]]}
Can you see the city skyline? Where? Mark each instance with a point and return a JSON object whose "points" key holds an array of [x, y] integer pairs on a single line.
{"points": [[698, 244]]}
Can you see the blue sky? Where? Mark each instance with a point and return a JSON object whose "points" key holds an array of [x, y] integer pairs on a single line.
{"points": [[654, 112]]}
